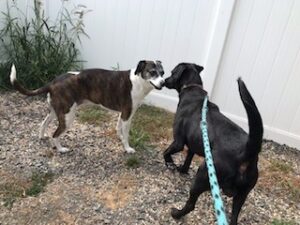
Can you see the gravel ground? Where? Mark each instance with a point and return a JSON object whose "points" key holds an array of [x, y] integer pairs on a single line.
{"points": [[93, 185]]}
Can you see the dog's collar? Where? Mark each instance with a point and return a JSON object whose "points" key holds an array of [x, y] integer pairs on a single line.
{"points": [[191, 85]]}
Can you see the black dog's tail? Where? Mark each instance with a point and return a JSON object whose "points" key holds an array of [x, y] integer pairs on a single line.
{"points": [[255, 122], [21, 89]]}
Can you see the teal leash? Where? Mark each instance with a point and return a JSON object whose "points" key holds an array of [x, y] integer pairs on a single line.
{"points": [[213, 181]]}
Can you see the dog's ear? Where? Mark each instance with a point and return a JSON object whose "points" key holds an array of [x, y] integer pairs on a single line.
{"points": [[178, 70], [140, 67], [158, 64], [199, 68], [160, 67], [173, 82]]}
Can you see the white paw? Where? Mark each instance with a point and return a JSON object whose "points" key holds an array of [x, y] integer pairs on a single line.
{"points": [[64, 150], [129, 150]]}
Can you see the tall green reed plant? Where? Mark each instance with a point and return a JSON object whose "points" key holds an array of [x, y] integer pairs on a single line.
{"points": [[41, 49]]}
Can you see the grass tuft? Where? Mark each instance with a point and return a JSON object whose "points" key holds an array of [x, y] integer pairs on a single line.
{"points": [[10, 192], [149, 125], [133, 161], [293, 187], [155, 122], [38, 182], [93, 115], [281, 222], [139, 139], [12, 187], [277, 165], [280, 174]]}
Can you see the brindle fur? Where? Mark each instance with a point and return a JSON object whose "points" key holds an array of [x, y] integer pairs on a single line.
{"points": [[111, 89]]}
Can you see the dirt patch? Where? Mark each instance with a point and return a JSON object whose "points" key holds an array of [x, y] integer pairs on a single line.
{"points": [[119, 192]]}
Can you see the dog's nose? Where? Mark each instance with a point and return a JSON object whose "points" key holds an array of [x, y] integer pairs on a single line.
{"points": [[167, 82]]}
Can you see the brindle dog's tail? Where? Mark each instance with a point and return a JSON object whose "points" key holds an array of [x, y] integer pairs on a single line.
{"points": [[21, 89], [254, 120]]}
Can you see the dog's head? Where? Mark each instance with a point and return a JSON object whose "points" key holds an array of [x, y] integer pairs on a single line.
{"points": [[152, 72], [184, 74]]}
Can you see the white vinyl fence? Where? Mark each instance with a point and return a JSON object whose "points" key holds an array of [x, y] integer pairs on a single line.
{"points": [[126, 31], [258, 40], [263, 46]]}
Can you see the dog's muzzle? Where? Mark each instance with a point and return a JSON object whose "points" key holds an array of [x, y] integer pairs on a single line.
{"points": [[168, 83], [158, 83]]}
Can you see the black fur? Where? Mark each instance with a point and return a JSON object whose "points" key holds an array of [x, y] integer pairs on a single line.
{"points": [[235, 153]]}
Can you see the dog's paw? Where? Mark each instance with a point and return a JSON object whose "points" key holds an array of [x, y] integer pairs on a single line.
{"points": [[130, 150], [175, 213], [63, 150], [171, 166], [52, 144], [183, 170], [42, 137]]}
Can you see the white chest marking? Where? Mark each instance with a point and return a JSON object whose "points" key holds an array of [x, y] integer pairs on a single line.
{"points": [[140, 88]]}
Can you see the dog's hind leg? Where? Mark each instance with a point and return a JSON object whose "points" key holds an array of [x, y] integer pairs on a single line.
{"points": [[70, 116], [199, 186], [64, 122], [237, 203], [60, 129], [46, 123], [172, 149]]}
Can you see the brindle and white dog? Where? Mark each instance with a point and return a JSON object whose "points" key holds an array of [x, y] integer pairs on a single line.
{"points": [[121, 91]]}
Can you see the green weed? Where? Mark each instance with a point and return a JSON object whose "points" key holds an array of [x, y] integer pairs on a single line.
{"points": [[139, 139], [12, 187], [277, 165], [133, 161], [156, 122], [282, 222], [38, 182], [39, 48]]}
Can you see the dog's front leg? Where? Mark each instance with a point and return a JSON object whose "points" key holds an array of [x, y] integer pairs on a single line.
{"points": [[125, 135], [64, 122], [172, 149], [119, 127]]}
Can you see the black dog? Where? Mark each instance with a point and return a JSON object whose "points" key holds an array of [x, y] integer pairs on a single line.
{"points": [[235, 153]]}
